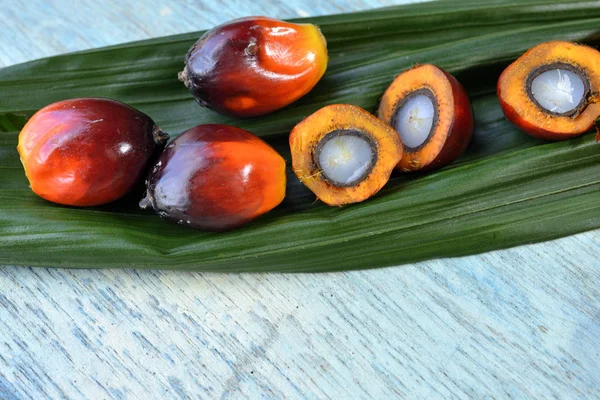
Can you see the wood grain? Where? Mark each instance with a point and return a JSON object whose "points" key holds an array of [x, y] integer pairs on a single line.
{"points": [[518, 323]]}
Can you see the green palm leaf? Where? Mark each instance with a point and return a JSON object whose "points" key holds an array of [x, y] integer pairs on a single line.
{"points": [[508, 189]]}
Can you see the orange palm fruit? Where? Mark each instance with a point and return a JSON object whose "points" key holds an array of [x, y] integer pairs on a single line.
{"points": [[551, 91], [253, 66], [87, 152], [432, 113], [344, 154], [216, 177]]}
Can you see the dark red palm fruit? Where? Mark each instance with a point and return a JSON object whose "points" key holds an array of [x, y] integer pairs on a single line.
{"points": [[253, 66], [89, 151], [216, 177], [453, 121]]}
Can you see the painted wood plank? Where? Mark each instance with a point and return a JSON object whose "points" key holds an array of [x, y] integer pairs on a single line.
{"points": [[520, 323]]}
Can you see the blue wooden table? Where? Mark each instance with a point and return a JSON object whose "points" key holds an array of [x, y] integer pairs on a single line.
{"points": [[520, 323]]}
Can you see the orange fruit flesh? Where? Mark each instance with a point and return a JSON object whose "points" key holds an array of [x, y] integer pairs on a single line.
{"points": [[453, 111], [523, 112], [306, 136]]}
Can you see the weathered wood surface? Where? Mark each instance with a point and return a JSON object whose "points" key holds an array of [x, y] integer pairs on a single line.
{"points": [[519, 323]]}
